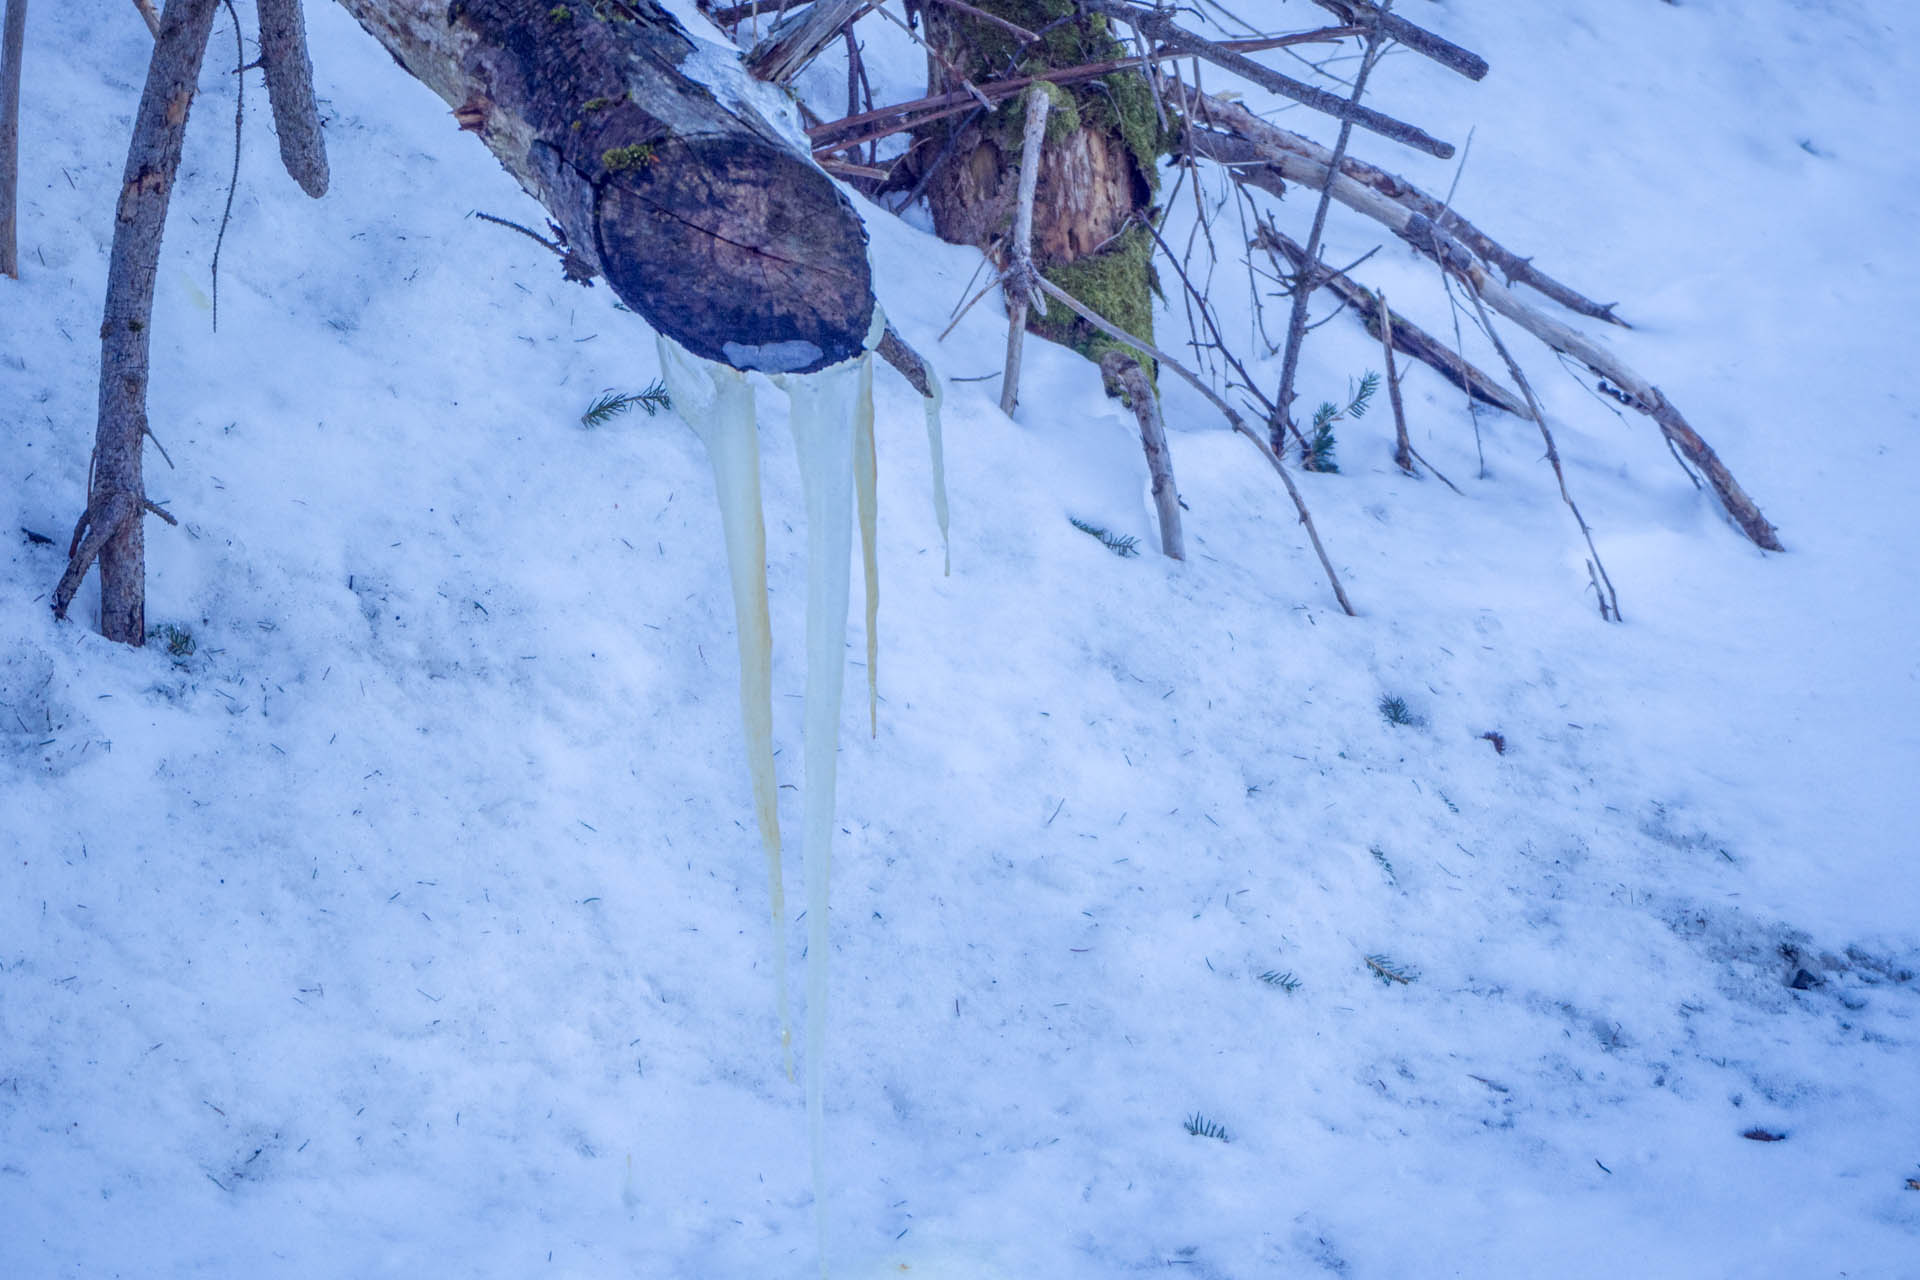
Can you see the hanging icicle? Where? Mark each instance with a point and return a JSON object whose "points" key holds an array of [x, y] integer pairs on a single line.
{"points": [[717, 402], [832, 422]]}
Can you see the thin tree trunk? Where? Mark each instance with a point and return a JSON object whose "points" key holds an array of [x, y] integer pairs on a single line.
{"points": [[13, 37], [1123, 371], [114, 524]]}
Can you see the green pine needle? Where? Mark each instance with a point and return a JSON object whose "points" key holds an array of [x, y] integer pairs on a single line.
{"points": [[1125, 546], [611, 404], [1390, 972], [1201, 1127], [1283, 980], [1362, 399], [1393, 709], [1380, 856]]}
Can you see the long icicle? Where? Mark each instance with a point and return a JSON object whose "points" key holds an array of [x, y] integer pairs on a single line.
{"points": [[823, 432], [866, 484], [717, 402]]}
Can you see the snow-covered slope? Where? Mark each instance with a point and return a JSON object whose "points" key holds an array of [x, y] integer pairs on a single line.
{"points": [[413, 923]]}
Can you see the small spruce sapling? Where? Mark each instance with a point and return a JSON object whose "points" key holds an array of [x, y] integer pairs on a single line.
{"points": [[1319, 450], [611, 404], [1125, 546], [1201, 1127], [1394, 710]]}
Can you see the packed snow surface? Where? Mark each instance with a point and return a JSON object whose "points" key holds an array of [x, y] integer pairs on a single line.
{"points": [[399, 910]]}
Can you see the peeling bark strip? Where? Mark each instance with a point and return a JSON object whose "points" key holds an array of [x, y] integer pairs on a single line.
{"points": [[703, 219], [283, 52], [112, 526]]}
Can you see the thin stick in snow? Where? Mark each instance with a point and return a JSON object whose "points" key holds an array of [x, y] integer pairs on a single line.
{"points": [[116, 498], [1603, 585], [1233, 417], [1123, 371], [1021, 275], [1308, 275], [1402, 447]]}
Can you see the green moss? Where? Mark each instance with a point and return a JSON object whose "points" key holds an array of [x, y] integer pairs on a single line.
{"points": [[1120, 103], [601, 104], [1116, 284], [560, 13], [623, 159]]}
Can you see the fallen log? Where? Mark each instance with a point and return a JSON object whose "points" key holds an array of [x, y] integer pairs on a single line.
{"points": [[717, 230]]}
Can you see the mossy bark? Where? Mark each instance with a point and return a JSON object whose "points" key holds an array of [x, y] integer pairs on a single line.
{"points": [[1098, 174]]}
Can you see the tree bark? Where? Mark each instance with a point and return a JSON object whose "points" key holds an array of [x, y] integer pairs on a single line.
{"points": [[13, 35], [1097, 176], [708, 223], [283, 52], [114, 523]]}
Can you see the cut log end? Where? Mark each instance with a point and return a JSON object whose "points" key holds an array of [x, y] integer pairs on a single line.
{"points": [[742, 251]]}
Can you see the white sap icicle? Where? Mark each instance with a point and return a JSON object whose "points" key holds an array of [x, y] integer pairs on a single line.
{"points": [[866, 482], [717, 402], [825, 406]]}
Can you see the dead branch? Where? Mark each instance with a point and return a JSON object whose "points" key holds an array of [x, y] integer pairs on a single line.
{"points": [[1310, 269], [1020, 273], [883, 122], [912, 365], [1603, 585], [1408, 338], [1460, 262], [1517, 270], [151, 18], [1402, 447], [1179, 39], [296, 118], [1233, 417], [13, 39], [1124, 374], [117, 495], [795, 41], [1419, 39]]}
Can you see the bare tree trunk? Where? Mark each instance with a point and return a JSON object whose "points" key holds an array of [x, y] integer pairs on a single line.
{"points": [[705, 221], [13, 36], [114, 526]]}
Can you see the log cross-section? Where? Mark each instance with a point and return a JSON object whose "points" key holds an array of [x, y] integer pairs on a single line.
{"points": [[703, 218]]}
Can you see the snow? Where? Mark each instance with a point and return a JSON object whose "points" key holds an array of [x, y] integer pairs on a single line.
{"points": [[413, 923]]}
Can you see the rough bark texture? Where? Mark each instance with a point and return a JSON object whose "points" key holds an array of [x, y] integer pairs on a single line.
{"points": [[283, 53], [114, 523], [1104, 138], [12, 46], [799, 38], [701, 216]]}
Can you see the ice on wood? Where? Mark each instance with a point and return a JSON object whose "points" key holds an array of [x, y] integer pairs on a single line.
{"points": [[832, 422]]}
